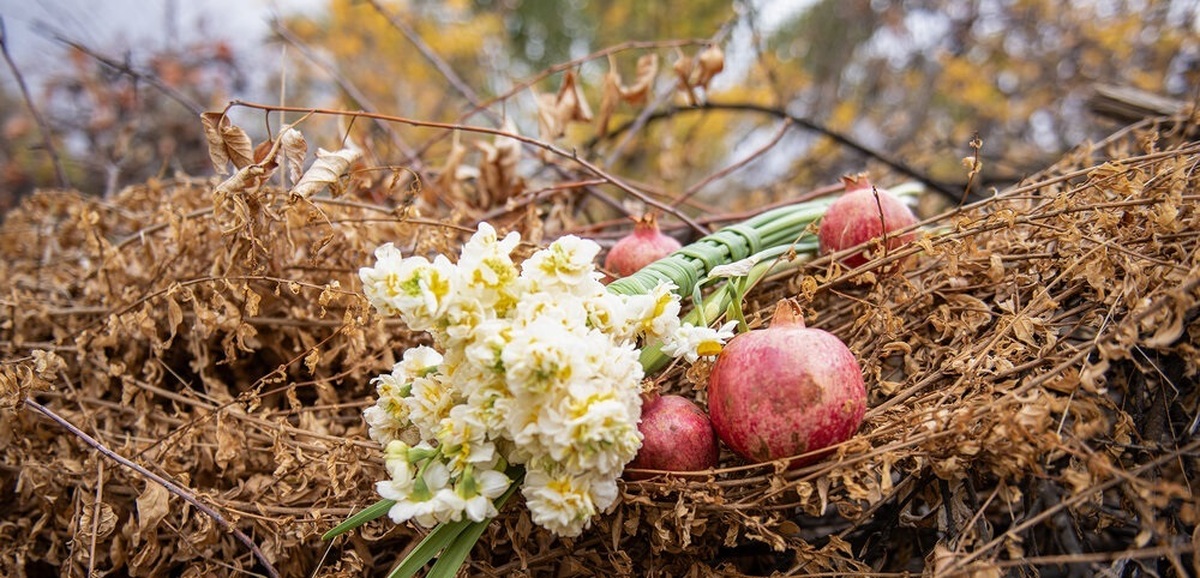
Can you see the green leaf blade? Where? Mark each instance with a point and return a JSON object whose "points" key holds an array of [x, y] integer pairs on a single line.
{"points": [[376, 510]]}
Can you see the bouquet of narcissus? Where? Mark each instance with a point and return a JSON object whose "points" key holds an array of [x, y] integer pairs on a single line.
{"points": [[533, 382]]}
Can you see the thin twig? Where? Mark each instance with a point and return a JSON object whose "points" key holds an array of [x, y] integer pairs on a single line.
{"points": [[697, 187], [168, 484], [96, 501], [44, 127], [546, 73], [976, 145]]}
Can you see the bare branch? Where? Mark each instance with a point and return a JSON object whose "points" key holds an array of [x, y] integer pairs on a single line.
{"points": [[353, 91], [427, 51], [47, 140]]}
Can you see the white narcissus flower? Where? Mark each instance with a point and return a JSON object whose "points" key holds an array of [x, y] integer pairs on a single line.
{"points": [[464, 315], [538, 365], [487, 270], [522, 423], [462, 437], [381, 283], [692, 342], [389, 417], [559, 502], [430, 402], [609, 314], [412, 287], [541, 357], [396, 461], [429, 501], [601, 435], [382, 425], [479, 490], [417, 362], [485, 349], [656, 313], [566, 266]]}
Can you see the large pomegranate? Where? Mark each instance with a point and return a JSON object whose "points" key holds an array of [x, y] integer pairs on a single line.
{"points": [[785, 390]]}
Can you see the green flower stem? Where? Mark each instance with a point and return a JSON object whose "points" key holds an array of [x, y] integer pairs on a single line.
{"points": [[456, 553], [442, 537], [453, 540]]}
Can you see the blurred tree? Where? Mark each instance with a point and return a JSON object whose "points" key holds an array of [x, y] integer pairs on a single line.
{"points": [[123, 122], [919, 78], [910, 79], [914, 79]]}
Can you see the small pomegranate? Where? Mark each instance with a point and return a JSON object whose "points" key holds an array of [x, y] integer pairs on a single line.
{"points": [[645, 245], [785, 390], [855, 218], [677, 436]]}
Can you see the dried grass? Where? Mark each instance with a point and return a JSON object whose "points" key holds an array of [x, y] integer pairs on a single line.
{"points": [[1032, 375]]}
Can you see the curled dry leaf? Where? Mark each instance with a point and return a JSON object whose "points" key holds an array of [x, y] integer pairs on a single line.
{"points": [[293, 148], [610, 95], [226, 142], [98, 520], [325, 171], [683, 67], [639, 91], [568, 105], [448, 181], [697, 72], [152, 506], [614, 89], [712, 62]]}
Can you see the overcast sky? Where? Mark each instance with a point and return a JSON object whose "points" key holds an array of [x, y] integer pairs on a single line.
{"points": [[113, 26]]}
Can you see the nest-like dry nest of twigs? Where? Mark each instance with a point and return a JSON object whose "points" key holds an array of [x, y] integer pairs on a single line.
{"points": [[1031, 372]]}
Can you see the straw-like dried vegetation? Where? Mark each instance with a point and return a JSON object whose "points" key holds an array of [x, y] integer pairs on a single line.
{"points": [[1032, 385]]}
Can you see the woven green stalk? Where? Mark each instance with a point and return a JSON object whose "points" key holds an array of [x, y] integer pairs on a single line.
{"points": [[688, 266]]}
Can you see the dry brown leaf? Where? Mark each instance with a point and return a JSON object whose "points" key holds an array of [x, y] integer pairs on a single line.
{"points": [[98, 520], [639, 91], [226, 142], [610, 95], [47, 364], [683, 67], [153, 504], [231, 443], [614, 90], [556, 111], [449, 179], [499, 180], [711, 62], [572, 105], [293, 148], [326, 171]]}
